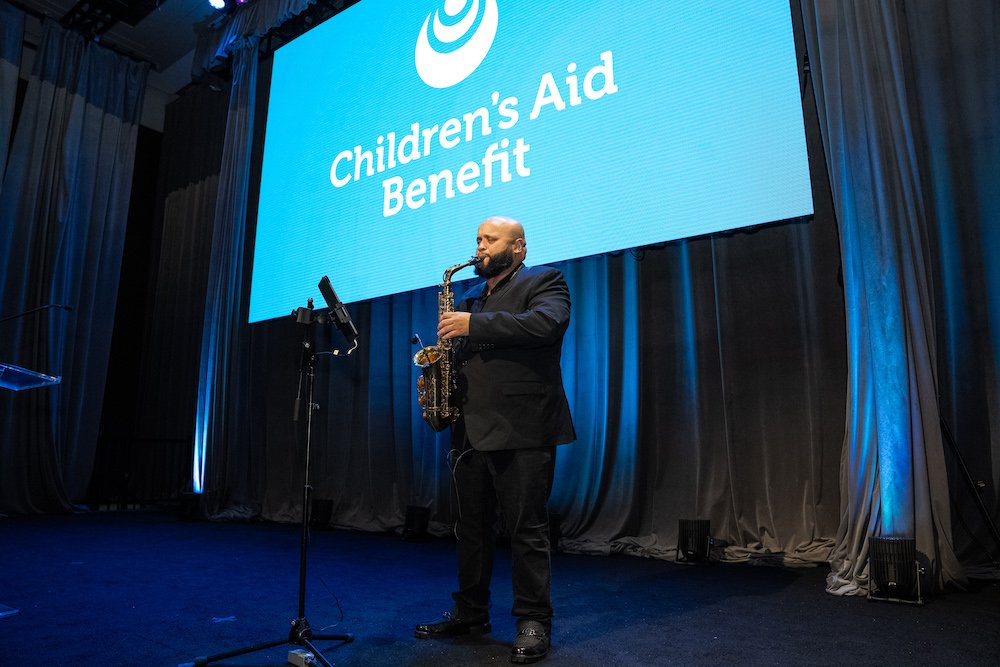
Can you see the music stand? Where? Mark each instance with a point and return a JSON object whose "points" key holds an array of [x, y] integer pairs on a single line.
{"points": [[301, 633]]}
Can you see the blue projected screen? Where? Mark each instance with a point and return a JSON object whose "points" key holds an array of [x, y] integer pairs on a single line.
{"points": [[395, 128]]}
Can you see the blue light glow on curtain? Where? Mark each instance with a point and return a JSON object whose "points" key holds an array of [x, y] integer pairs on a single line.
{"points": [[895, 481], [214, 417], [237, 39]]}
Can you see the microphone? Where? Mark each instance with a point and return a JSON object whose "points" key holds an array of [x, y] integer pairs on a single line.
{"points": [[337, 310]]}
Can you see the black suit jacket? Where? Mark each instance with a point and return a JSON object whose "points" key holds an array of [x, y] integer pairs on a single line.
{"points": [[509, 375]]}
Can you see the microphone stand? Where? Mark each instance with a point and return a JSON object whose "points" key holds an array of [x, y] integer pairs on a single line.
{"points": [[976, 489], [301, 633]]}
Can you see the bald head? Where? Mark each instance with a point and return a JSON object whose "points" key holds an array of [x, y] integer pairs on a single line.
{"points": [[509, 227]]}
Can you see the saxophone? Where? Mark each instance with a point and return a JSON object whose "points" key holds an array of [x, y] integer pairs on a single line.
{"points": [[437, 382]]}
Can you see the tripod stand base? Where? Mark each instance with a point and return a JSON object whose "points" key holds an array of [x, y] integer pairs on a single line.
{"points": [[300, 635]]}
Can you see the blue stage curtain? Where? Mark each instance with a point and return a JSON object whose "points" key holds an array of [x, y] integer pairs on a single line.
{"points": [[63, 211], [594, 489], [11, 38], [908, 104]]}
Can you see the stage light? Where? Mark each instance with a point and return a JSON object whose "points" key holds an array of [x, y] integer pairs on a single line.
{"points": [[893, 570], [693, 540], [223, 5]]}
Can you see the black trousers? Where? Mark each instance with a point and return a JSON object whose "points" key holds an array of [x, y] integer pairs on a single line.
{"points": [[518, 483]]}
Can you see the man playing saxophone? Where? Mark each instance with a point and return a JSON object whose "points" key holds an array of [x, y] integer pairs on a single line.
{"points": [[512, 414]]}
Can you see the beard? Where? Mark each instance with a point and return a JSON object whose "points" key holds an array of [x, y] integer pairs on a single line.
{"points": [[498, 263]]}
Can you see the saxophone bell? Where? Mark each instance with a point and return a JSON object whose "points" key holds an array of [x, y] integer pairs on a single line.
{"points": [[426, 356]]}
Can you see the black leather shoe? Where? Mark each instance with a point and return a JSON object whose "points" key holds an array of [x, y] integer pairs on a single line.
{"points": [[452, 626], [532, 643]]}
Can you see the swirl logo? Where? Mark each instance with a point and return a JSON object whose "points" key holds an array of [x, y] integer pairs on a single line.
{"points": [[457, 43]]}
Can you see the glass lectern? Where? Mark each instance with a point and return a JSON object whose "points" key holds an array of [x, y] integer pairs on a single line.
{"points": [[17, 378]]}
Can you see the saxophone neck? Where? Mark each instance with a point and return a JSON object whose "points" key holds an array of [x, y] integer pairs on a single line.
{"points": [[450, 271]]}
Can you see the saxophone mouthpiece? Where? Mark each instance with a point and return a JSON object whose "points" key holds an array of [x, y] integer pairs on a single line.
{"points": [[475, 260]]}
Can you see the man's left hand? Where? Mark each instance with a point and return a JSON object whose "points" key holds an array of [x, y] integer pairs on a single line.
{"points": [[453, 324]]}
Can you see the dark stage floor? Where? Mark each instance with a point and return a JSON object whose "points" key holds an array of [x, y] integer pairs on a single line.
{"points": [[142, 588]]}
